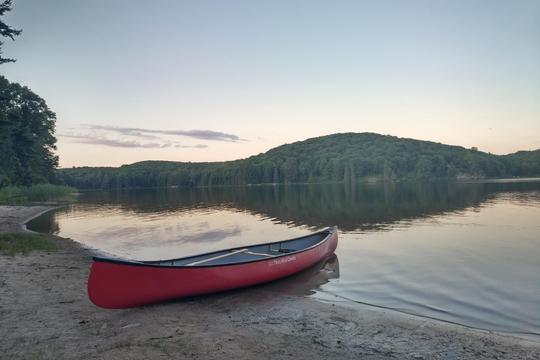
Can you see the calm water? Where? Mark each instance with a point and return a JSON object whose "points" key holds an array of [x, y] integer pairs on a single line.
{"points": [[464, 253]]}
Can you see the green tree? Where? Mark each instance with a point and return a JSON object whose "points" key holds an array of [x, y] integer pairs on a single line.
{"points": [[27, 143], [6, 31]]}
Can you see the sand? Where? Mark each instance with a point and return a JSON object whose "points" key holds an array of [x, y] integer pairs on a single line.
{"points": [[45, 314]]}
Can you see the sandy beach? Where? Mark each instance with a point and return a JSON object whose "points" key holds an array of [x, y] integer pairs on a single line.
{"points": [[45, 314]]}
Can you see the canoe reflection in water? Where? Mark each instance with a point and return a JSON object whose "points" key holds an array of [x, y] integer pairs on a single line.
{"points": [[308, 281]]}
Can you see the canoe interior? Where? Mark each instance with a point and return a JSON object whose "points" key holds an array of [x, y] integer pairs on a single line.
{"points": [[248, 253]]}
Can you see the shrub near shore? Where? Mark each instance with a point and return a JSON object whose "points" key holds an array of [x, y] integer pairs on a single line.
{"points": [[17, 195]]}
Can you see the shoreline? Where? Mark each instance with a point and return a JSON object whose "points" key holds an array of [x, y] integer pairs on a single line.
{"points": [[37, 214], [15, 217], [358, 182], [45, 314]]}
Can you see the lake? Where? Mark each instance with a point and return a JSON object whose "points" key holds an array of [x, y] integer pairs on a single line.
{"points": [[467, 253]]}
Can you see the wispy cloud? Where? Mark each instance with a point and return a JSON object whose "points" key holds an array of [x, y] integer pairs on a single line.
{"points": [[125, 137], [97, 140], [198, 146], [91, 139], [196, 134]]}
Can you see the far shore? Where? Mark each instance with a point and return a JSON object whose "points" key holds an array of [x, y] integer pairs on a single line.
{"points": [[45, 314], [366, 181]]}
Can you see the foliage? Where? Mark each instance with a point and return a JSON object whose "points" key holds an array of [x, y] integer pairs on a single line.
{"points": [[348, 157], [524, 163], [41, 192], [6, 30], [27, 137], [23, 243]]}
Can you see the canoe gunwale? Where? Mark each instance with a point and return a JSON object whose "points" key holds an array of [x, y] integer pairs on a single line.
{"points": [[156, 263]]}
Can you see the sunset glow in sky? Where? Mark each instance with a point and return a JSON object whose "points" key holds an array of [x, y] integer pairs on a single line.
{"points": [[222, 80]]}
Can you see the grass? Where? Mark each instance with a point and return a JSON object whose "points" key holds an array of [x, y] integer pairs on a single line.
{"points": [[24, 243], [17, 195]]}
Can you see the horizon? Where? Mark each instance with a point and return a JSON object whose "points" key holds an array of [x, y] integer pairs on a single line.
{"points": [[204, 82], [293, 142]]}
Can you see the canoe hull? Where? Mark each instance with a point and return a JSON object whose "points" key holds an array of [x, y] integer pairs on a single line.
{"points": [[116, 285]]}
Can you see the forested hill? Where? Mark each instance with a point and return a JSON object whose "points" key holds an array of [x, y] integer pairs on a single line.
{"points": [[345, 157]]}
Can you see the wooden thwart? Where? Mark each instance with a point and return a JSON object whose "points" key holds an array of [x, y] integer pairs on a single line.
{"points": [[259, 254], [217, 257], [246, 251]]}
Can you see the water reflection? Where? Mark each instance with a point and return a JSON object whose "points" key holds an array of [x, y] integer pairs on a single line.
{"points": [[46, 223], [360, 207], [308, 281], [461, 252]]}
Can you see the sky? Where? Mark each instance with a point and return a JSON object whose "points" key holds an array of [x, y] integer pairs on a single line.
{"points": [[222, 80]]}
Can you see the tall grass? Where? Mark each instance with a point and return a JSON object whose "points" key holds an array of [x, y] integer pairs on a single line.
{"points": [[16, 195]]}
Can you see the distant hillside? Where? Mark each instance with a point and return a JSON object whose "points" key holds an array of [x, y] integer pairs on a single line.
{"points": [[348, 157], [523, 163]]}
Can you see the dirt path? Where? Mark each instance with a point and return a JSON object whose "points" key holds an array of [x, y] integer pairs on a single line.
{"points": [[45, 314]]}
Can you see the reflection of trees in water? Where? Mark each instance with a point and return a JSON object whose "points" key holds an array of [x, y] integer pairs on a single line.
{"points": [[45, 223], [351, 207]]}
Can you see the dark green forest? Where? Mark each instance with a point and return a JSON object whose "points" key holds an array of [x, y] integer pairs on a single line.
{"points": [[27, 141], [349, 157]]}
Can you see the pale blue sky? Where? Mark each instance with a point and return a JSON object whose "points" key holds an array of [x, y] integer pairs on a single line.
{"points": [[257, 74]]}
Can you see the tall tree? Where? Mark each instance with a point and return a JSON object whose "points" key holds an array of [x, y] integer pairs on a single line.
{"points": [[27, 125], [6, 31], [27, 141]]}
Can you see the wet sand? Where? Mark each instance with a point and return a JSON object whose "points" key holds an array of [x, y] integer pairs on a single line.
{"points": [[45, 314]]}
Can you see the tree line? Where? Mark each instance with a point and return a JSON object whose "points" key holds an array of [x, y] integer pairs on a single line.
{"points": [[349, 157]]}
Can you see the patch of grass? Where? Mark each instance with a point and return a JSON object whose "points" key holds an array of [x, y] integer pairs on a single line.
{"points": [[24, 243], [16, 195]]}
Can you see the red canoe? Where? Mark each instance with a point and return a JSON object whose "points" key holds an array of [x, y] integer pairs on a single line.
{"points": [[115, 283]]}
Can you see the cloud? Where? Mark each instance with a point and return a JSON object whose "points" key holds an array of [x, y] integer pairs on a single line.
{"points": [[196, 134], [121, 137], [97, 140], [198, 146], [91, 139]]}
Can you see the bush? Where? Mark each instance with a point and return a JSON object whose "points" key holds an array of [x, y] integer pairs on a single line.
{"points": [[13, 195]]}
